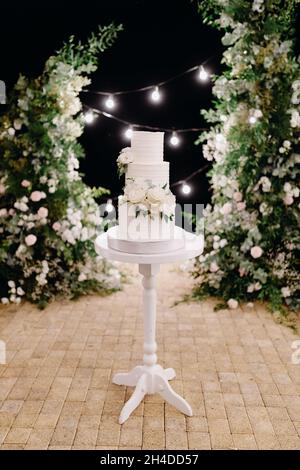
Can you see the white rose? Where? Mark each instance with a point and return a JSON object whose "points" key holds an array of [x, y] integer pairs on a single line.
{"points": [[237, 196], [56, 226], [36, 196], [168, 206], [232, 303], [223, 243], [84, 234], [287, 187], [135, 194], [23, 207], [30, 240], [170, 200], [285, 292], [4, 300], [42, 212], [266, 184], [256, 252], [125, 156], [3, 212], [156, 195], [288, 200], [295, 119], [17, 124], [213, 267], [20, 291], [226, 209], [257, 113]]}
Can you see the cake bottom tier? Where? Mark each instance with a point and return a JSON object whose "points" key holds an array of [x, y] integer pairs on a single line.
{"points": [[135, 223]]}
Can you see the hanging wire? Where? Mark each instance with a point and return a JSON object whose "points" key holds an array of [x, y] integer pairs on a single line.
{"points": [[149, 87], [188, 178], [144, 126]]}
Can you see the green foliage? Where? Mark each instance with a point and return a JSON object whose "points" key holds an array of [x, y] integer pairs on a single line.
{"points": [[84, 57], [252, 230], [48, 217]]}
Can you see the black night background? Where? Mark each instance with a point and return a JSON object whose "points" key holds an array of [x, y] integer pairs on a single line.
{"points": [[160, 39]]}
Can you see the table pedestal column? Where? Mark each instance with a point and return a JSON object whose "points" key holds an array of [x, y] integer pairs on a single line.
{"points": [[150, 377]]}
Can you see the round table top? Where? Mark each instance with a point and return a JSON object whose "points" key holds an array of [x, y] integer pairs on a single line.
{"points": [[193, 247]]}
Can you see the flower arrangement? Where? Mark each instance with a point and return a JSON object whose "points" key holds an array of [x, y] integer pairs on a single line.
{"points": [[123, 159], [252, 226], [150, 199], [48, 217]]}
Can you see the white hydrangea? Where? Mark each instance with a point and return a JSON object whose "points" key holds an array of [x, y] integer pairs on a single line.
{"points": [[295, 119], [258, 6], [296, 92], [285, 292]]}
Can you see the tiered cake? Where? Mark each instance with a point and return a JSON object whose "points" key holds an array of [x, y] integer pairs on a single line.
{"points": [[147, 208]]}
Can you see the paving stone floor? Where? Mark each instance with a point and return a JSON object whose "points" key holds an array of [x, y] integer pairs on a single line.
{"points": [[234, 367]]}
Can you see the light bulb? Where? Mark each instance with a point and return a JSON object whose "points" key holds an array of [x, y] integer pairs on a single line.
{"points": [[128, 133], [203, 74], [174, 139], [252, 119], [110, 102], [186, 189], [109, 206], [89, 117], [155, 95]]}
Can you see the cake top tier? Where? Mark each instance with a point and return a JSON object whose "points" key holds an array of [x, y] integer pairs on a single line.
{"points": [[147, 147]]}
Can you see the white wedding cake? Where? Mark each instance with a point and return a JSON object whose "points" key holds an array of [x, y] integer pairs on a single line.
{"points": [[147, 208]]}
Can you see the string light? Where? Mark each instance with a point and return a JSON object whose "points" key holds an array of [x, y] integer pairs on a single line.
{"points": [[203, 74], [186, 189], [110, 102], [132, 125], [174, 140], [128, 132], [109, 206], [156, 95], [89, 117], [161, 83]]}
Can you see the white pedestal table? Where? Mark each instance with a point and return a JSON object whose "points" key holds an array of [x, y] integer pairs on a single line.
{"points": [[150, 377]]}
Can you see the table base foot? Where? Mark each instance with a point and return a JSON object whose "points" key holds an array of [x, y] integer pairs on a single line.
{"points": [[129, 378], [150, 379]]}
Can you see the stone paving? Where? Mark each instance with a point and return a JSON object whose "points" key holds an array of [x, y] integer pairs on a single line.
{"points": [[234, 367]]}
